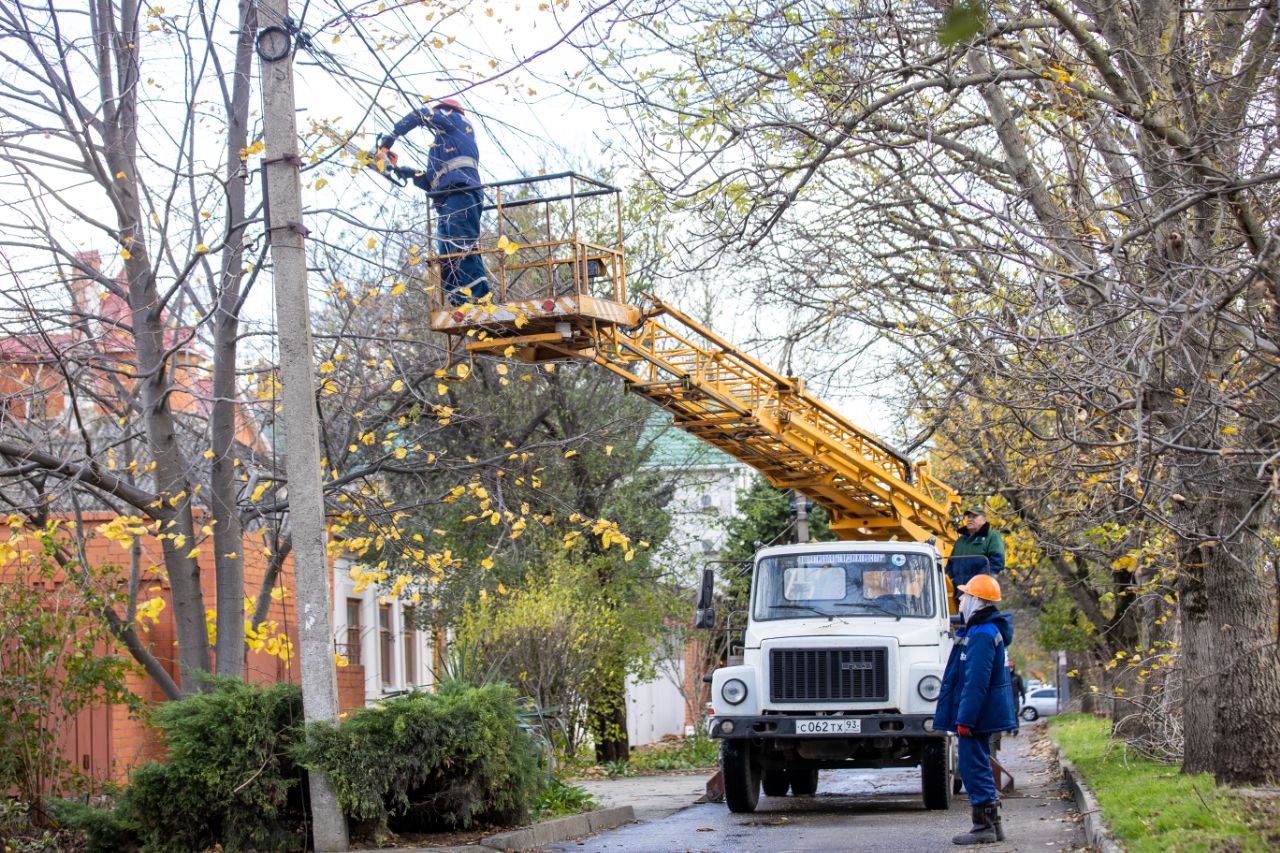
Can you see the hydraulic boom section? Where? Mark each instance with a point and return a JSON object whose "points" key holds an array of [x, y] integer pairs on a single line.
{"points": [[560, 296]]}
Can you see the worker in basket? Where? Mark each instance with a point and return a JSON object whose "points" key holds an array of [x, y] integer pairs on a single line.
{"points": [[976, 701], [452, 177]]}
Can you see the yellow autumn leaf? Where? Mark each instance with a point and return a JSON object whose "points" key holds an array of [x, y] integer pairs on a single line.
{"points": [[441, 388], [373, 241], [401, 453], [320, 182], [208, 454], [608, 450], [463, 371], [397, 385], [509, 351], [397, 290], [193, 553], [569, 453], [487, 562], [124, 253], [201, 248]]}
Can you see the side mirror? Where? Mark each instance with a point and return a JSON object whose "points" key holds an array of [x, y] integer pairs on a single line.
{"points": [[706, 616]]}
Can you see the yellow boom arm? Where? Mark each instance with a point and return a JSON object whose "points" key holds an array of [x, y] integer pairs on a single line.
{"points": [[567, 299]]}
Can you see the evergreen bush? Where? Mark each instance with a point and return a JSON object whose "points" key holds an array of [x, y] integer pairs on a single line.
{"points": [[229, 779], [428, 761]]}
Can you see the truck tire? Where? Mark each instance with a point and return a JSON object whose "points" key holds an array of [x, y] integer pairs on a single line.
{"points": [[936, 773], [804, 783], [775, 783], [741, 769]]}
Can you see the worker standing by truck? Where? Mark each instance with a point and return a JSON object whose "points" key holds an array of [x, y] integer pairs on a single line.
{"points": [[978, 551], [452, 177], [976, 701]]}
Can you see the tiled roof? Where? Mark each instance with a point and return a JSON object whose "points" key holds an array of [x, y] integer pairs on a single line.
{"points": [[675, 448]]}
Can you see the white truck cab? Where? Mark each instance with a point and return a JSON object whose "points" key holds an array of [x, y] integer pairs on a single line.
{"points": [[842, 664]]}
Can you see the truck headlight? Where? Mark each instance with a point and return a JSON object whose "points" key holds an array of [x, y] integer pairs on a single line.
{"points": [[733, 691], [929, 688]]}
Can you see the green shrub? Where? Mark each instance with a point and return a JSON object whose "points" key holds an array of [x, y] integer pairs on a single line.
{"points": [[56, 659], [561, 798], [230, 778], [692, 753], [105, 830], [426, 761]]}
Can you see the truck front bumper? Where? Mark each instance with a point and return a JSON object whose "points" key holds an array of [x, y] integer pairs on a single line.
{"points": [[779, 726]]}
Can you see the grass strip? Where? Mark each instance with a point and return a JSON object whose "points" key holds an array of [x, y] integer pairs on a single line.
{"points": [[1152, 808]]}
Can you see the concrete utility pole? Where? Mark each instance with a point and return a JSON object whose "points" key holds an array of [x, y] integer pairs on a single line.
{"points": [[298, 399], [801, 505]]}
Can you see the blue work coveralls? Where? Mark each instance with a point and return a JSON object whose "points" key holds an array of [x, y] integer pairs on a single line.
{"points": [[454, 170], [976, 693]]}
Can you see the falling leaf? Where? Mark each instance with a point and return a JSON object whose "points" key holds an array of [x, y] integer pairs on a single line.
{"points": [[397, 385], [320, 183]]}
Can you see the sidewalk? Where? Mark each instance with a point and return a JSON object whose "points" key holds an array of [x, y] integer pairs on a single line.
{"points": [[653, 797]]}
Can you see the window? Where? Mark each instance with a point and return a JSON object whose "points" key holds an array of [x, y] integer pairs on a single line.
{"points": [[410, 647], [1045, 694], [386, 642], [845, 584], [352, 646]]}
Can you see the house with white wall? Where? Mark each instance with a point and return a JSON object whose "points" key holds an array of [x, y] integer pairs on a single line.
{"points": [[707, 482], [380, 635]]}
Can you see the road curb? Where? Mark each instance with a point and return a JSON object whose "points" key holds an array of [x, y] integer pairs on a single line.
{"points": [[1095, 828], [560, 829]]}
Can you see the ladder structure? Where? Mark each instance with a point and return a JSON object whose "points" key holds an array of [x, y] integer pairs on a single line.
{"points": [[559, 292]]}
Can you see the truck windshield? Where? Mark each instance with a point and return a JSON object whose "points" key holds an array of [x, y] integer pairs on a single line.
{"points": [[849, 584]]}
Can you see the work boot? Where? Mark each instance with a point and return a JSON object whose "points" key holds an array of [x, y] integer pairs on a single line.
{"points": [[984, 829]]}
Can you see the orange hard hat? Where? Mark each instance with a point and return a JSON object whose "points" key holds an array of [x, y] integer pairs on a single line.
{"points": [[982, 586], [451, 104]]}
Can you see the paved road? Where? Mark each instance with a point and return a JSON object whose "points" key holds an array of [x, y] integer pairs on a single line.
{"points": [[857, 810]]}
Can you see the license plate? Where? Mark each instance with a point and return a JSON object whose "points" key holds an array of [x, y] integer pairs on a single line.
{"points": [[835, 726]]}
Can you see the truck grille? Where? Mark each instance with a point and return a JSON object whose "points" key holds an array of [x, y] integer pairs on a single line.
{"points": [[822, 675]]}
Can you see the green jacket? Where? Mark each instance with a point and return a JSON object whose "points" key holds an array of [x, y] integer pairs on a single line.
{"points": [[979, 554]]}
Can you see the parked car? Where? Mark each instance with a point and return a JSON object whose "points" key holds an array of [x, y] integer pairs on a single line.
{"points": [[1042, 702]]}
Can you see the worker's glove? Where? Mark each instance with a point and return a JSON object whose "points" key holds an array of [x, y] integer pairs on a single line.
{"points": [[964, 731], [386, 157]]}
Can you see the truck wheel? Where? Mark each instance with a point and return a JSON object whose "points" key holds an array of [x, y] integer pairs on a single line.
{"points": [[741, 771], [775, 783], [936, 772], [804, 783]]}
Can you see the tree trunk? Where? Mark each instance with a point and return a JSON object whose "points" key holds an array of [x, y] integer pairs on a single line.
{"points": [[608, 720], [228, 534], [1242, 616], [1196, 665], [119, 50]]}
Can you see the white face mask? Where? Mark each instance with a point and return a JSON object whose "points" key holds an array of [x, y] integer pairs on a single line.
{"points": [[969, 605]]}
